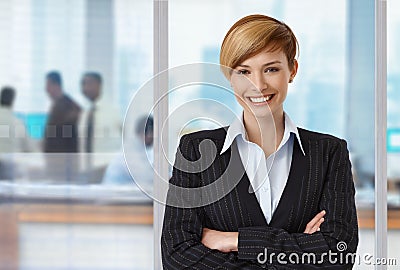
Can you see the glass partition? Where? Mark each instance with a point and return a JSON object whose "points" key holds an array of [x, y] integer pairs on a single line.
{"points": [[67, 198], [393, 132]]}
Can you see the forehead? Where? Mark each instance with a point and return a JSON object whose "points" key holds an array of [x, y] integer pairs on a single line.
{"points": [[266, 56], [89, 79]]}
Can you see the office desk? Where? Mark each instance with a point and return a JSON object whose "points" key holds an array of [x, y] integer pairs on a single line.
{"points": [[366, 219], [13, 214]]}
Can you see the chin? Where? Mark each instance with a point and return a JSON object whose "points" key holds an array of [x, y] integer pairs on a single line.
{"points": [[263, 113]]}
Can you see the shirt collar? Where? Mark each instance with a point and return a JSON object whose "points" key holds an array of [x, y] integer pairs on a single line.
{"points": [[292, 128], [234, 130], [237, 129]]}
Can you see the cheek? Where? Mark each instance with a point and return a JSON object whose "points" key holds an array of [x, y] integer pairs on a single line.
{"points": [[240, 83], [281, 84], [240, 99], [238, 95], [283, 92]]}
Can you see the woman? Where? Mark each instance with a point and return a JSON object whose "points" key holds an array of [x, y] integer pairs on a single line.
{"points": [[293, 196]]}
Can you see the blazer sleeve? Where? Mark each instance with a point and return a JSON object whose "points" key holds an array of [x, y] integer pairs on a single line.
{"points": [[338, 233], [181, 245]]}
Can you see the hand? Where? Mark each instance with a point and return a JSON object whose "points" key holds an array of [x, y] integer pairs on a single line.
{"points": [[222, 241], [315, 223]]}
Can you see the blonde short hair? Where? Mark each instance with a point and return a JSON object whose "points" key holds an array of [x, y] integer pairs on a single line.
{"points": [[253, 34]]}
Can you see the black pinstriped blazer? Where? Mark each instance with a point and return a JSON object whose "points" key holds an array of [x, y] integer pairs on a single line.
{"points": [[320, 180]]}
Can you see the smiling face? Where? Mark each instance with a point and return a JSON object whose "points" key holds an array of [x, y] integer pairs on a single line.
{"points": [[260, 83]]}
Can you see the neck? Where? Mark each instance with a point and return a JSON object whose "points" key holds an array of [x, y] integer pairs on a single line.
{"points": [[266, 132], [94, 99]]}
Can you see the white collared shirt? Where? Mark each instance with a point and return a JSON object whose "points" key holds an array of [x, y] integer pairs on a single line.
{"points": [[107, 132], [268, 176]]}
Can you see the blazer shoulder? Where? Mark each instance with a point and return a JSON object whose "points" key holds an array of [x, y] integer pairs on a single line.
{"points": [[213, 134], [217, 136], [309, 135]]}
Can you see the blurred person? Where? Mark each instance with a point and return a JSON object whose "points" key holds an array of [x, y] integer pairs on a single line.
{"points": [[60, 142], [61, 132], [139, 150], [100, 127], [13, 136]]}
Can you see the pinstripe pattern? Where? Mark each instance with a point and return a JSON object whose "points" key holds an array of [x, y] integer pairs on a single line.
{"points": [[319, 180]]}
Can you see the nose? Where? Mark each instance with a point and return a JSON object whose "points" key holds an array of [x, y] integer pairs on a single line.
{"points": [[259, 82]]}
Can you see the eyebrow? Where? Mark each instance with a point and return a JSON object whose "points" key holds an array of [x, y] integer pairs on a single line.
{"points": [[265, 65]]}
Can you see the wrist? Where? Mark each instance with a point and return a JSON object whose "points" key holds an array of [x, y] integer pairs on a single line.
{"points": [[234, 241]]}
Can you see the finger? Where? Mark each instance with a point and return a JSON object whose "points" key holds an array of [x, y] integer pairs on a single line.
{"points": [[319, 215], [314, 221], [317, 226]]}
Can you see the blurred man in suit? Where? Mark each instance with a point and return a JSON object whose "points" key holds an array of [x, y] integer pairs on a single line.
{"points": [[100, 127], [61, 133]]}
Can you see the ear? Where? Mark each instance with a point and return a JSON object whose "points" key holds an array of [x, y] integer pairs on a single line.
{"points": [[294, 70]]}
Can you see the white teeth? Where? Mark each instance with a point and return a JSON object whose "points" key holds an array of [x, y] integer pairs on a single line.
{"points": [[261, 99], [257, 100]]}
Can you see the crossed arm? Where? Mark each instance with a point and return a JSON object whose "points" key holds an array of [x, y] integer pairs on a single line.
{"points": [[228, 241], [187, 244]]}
